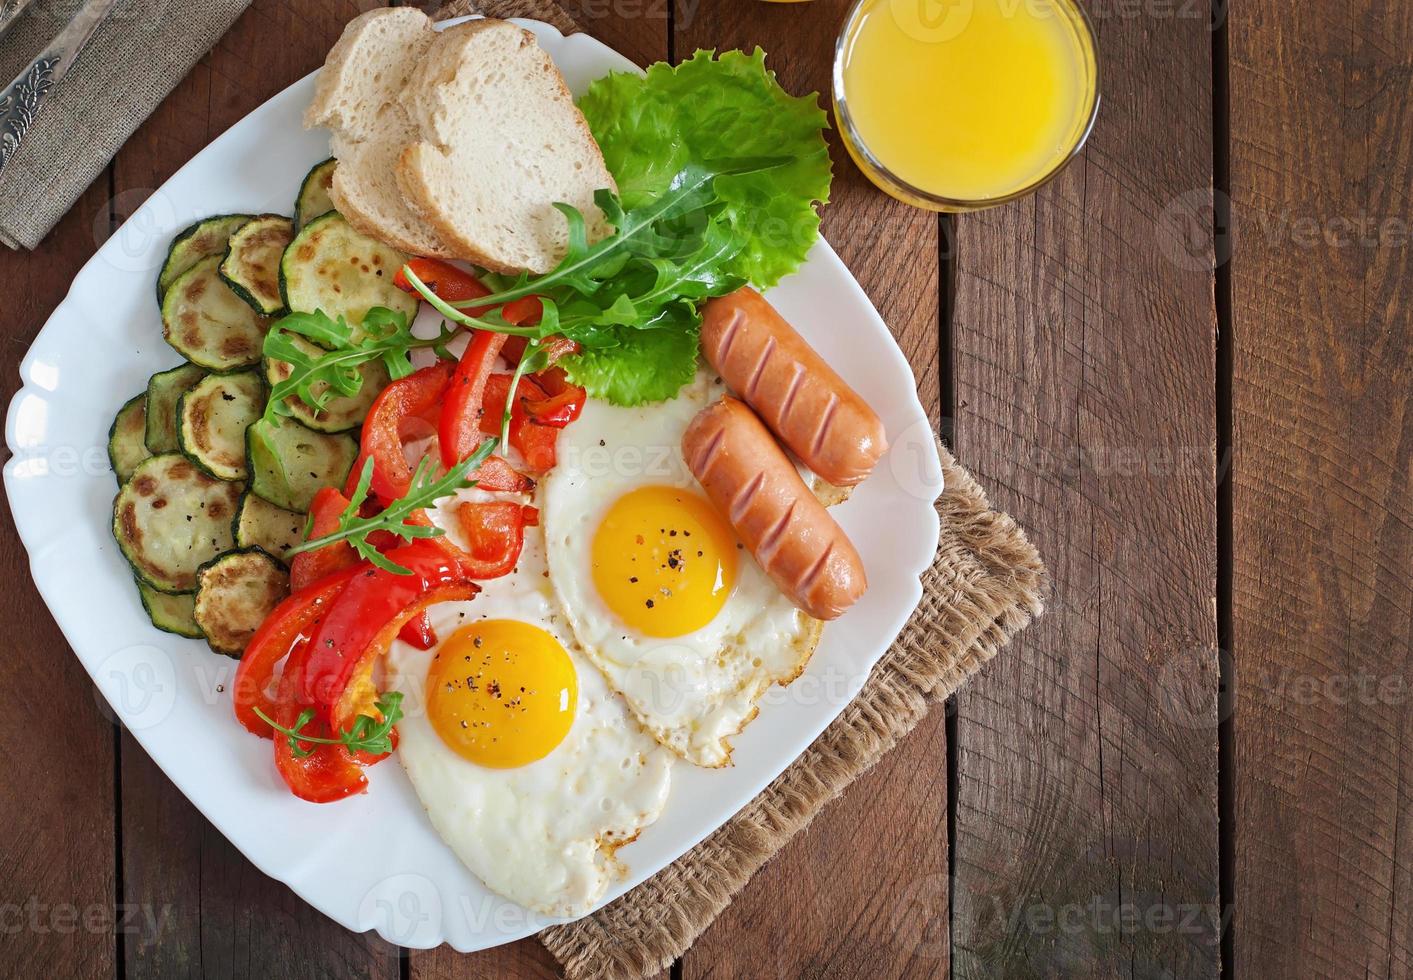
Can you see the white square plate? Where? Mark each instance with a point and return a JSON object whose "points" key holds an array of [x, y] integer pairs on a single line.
{"points": [[99, 347]]}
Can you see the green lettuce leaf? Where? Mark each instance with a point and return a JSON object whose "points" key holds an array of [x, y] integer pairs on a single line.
{"points": [[708, 111], [644, 365]]}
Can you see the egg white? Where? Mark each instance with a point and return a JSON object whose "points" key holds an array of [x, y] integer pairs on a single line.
{"points": [[692, 692], [544, 834]]}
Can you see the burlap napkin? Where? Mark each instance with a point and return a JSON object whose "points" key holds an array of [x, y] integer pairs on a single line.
{"points": [[130, 64], [986, 583]]}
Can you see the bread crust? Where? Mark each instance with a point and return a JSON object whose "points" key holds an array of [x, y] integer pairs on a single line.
{"points": [[432, 246], [410, 179], [344, 72]]}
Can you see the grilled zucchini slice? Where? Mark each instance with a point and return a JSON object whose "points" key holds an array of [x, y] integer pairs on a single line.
{"points": [[234, 594], [170, 613], [260, 524], [208, 324], [331, 267], [126, 447], [213, 417], [251, 266], [314, 198], [288, 463], [342, 413], [205, 238], [170, 518], [164, 390]]}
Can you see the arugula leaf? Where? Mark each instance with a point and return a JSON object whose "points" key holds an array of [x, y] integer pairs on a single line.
{"points": [[657, 228], [424, 492], [711, 109], [695, 274], [318, 327], [368, 734], [316, 378]]}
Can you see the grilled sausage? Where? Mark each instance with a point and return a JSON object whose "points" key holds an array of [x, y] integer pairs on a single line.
{"points": [[813, 410], [753, 483]]}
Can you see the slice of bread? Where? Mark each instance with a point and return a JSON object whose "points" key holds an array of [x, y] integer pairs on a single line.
{"points": [[359, 98], [499, 142]]}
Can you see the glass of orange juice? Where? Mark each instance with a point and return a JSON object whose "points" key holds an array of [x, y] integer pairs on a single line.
{"points": [[957, 105]]}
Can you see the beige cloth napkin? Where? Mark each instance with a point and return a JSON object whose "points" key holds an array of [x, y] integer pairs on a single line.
{"points": [[986, 583], [132, 61]]}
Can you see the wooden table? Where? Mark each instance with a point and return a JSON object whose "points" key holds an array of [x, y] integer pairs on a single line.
{"points": [[1201, 758]]}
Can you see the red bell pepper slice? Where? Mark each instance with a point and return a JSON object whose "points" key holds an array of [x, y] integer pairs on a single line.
{"points": [[328, 773], [495, 535], [554, 346], [563, 400], [290, 623], [514, 349], [535, 442], [458, 431], [406, 398], [419, 632], [496, 475], [454, 285], [445, 280], [361, 623], [309, 566], [525, 311], [360, 694]]}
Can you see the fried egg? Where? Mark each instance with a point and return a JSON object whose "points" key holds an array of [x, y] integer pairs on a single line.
{"points": [[530, 767], [659, 592]]}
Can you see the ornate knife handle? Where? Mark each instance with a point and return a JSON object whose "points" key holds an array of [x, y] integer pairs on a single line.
{"points": [[25, 97], [21, 102], [9, 10]]}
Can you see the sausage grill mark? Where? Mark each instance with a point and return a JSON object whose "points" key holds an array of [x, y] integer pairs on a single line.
{"points": [[821, 433], [705, 460], [817, 569], [728, 339], [788, 401], [753, 386], [743, 500], [771, 541]]}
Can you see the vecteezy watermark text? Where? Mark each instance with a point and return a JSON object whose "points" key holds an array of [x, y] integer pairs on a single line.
{"points": [[41, 918]]}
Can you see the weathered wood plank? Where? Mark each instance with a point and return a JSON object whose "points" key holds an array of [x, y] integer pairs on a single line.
{"points": [[1086, 819], [636, 29], [863, 893], [57, 859], [1322, 505], [224, 918]]}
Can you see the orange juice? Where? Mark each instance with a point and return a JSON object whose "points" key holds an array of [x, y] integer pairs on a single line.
{"points": [[956, 104]]}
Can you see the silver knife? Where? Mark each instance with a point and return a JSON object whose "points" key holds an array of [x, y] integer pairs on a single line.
{"points": [[9, 10], [22, 100]]}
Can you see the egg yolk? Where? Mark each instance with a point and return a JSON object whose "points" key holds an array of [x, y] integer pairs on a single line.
{"points": [[501, 693], [664, 561]]}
